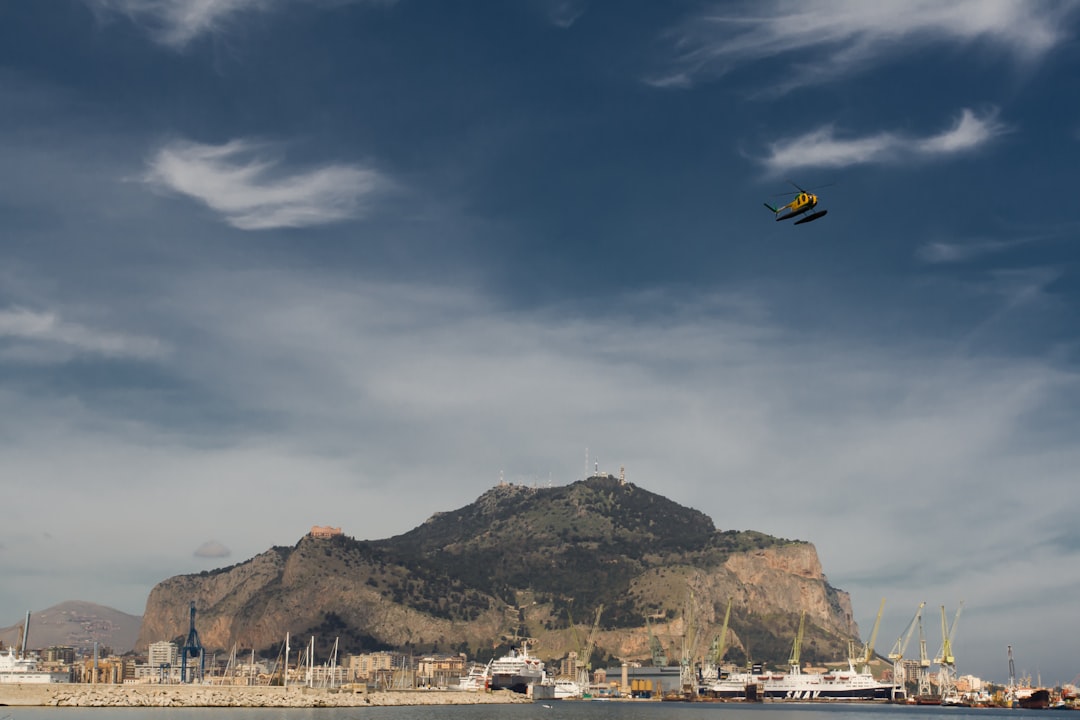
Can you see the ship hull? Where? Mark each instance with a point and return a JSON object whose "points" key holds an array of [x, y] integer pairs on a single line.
{"points": [[845, 686], [516, 671], [1038, 700], [517, 683]]}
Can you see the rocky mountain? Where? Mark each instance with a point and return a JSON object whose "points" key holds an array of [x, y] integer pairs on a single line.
{"points": [[523, 562], [76, 624]]}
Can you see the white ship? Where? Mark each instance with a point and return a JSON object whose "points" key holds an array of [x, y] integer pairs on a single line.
{"points": [[21, 669], [567, 689], [838, 685], [795, 685], [476, 679], [516, 671]]}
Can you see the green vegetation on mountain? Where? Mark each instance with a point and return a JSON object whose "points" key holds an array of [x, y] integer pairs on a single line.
{"points": [[524, 562], [581, 543]]}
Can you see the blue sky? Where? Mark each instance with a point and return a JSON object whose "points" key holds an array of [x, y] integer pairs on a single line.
{"points": [[270, 264]]}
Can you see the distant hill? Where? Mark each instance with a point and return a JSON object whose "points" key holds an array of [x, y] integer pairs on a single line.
{"points": [[76, 624], [523, 562]]}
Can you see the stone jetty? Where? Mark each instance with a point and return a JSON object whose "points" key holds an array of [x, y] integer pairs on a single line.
{"points": [[79, 695]]}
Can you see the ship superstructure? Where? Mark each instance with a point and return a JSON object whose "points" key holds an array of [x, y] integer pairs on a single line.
{"points": [[516, 670]]}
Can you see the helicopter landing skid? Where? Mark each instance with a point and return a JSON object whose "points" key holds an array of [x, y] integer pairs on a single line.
{"points": [[812, 217]]}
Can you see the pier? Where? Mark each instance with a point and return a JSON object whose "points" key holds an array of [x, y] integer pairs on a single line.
{"points": [[140, 695]]}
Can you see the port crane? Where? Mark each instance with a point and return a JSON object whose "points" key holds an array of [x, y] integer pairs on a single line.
{"points": [[587, 651], [924, 663], [711, 671], [945, 659], [659, 657], [1010, 692], [193, 649], [796, 647], [897, 653], [868, 651], [687, 676]]}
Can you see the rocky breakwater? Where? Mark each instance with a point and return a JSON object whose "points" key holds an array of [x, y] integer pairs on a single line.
{"points": [[72, 695]]}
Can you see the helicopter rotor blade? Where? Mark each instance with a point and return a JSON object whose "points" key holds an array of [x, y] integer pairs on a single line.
{"points": [[802, 189]]}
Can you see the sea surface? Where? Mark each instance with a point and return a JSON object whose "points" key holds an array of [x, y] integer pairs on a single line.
{"points": [[555, 710]]}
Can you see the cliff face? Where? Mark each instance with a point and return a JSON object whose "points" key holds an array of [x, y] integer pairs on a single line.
{"points": [[452, 584]]}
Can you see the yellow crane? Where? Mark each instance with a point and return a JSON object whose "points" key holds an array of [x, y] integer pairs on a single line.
{"points": [[590, 645], [948, 632], [796, 647], [710, 669], [897, 653], [659, 657], [721, 639], [687, 676], [868, 654], [945, 659], [898, 650]]}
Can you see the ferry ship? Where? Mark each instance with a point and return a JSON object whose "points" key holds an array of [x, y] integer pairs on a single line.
{"points": [[21, 669], [838, 685], [516, 671], [795, 685]]}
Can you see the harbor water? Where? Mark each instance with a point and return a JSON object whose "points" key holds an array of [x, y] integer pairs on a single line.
{"points": [[554, 710]]}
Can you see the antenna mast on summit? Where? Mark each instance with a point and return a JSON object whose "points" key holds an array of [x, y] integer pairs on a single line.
{"points": [[586, 462]]}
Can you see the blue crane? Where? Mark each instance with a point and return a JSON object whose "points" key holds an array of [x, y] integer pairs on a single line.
{"points": [[192, 648]]}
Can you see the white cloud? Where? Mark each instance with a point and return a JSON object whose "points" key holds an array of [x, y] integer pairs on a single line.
{"points": [[45, 337], [822, 148], [953, 252], [353, 395], [237, 182], [564, 13], [177, 22], [836, 37]]}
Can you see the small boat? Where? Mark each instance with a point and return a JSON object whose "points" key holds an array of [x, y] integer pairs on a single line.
{"points": [[476, 679]]}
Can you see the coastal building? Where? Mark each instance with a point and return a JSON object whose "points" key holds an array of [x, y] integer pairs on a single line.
{"points": [[162, 653], [367, 665], [439, 670], [568, 666], [59, 654]]}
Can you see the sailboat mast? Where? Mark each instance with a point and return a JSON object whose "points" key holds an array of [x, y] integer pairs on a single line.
{"points": [[286, 660]]}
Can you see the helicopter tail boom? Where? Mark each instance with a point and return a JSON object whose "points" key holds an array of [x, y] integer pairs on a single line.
{"points": [[775, 210]]}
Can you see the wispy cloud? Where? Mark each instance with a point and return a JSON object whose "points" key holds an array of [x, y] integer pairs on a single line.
{"points": [[238, 182], [955, 252], [27, 335], [944, 252], [564, 13], [822, 148], [212, 549], [177, 22], [832, 38]]}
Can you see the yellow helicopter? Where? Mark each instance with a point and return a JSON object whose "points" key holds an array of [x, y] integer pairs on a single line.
{"points": [[804, 202]]}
